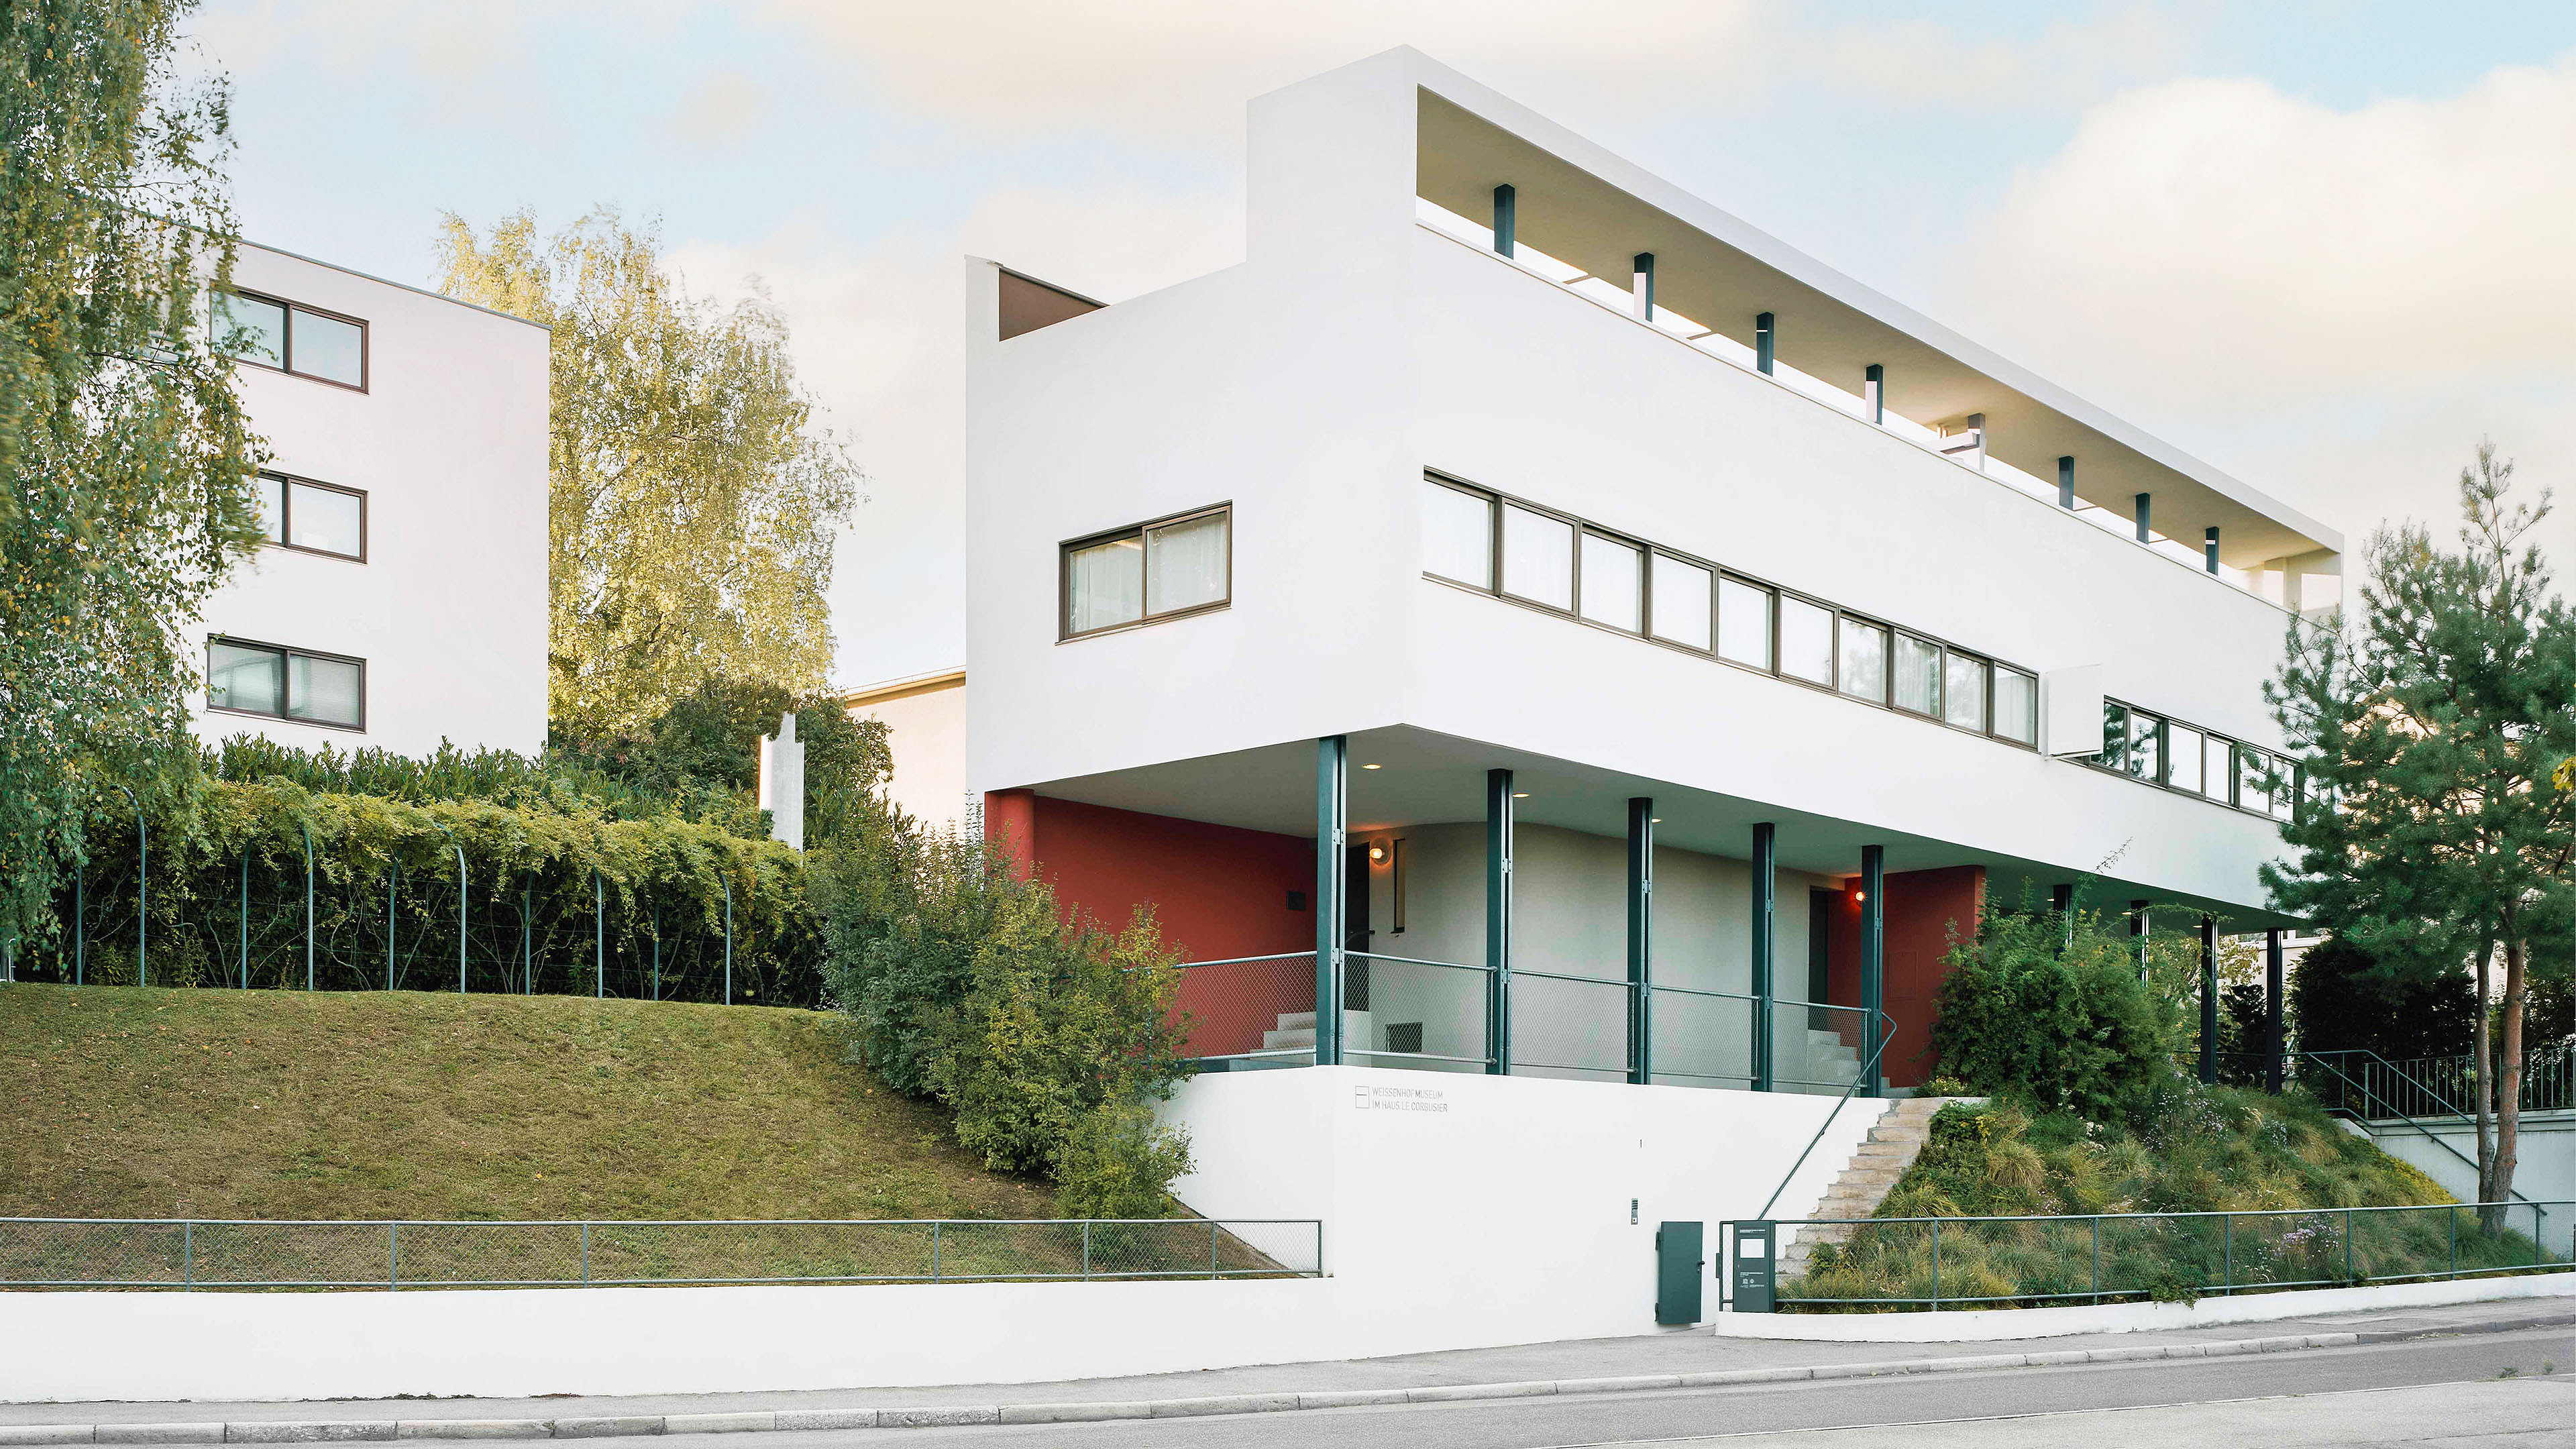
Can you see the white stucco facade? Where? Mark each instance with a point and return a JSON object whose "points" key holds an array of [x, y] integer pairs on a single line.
{"points": [[446, 609], [925, 721]]}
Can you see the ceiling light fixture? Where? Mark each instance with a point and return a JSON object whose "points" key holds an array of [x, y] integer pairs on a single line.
{"points": [[1372, 767], [1520, 794]]}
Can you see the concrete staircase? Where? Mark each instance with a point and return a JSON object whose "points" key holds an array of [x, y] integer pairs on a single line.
{"points": [[1894, 1141], [1829, 1058], [1297, 1029]]}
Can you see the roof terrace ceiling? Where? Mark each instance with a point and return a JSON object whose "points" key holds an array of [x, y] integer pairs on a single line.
{"points": [[1715, 269]]}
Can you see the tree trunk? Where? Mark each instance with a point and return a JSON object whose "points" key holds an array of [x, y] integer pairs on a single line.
{"points": [[2509, 1080], [2482, 1079]]}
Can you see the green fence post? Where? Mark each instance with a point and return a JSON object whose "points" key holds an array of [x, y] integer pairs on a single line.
{"points": [[1212, 1269], [2227, 1260], [935, 1225], [2097, 1259], [80, 931], [1086, 1250], [599, 936], [308, 904], [460, 905], [393, 1257], [527, 928], [2454, 1215], [585, 1255], [187, 1255], [657, 950], [727, 882], [393, 883], [2347, 1245], [142, 893], [245, 919], [1936, 1265]]}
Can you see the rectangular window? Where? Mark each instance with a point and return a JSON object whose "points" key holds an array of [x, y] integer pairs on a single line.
{"points": [[321, 689], [1153, 571], [2251, 791], [1614, 583], [1538, 558], [291, 338], [1918, 675], [1864, 661], [2214, 771], [1744, 623], [1457, 535], [1963, 691], [1682, 602], [2016, 706], [2182, 757], [2115, 735], [2146, 745], [314, 517], [1806, 641]]}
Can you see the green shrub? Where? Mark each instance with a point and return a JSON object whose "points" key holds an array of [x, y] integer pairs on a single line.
{"points": [[1118, 1162], [2344, 998], [2063, 1023]]}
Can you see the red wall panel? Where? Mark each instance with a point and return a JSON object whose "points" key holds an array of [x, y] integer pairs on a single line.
{"points": [[1926, 911]]}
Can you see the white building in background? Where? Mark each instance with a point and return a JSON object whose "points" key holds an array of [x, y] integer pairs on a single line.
{"points": [[925, 720], [401, 598]]}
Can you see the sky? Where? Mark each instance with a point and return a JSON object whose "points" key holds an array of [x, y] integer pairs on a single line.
{"points": [[2321, 244]]}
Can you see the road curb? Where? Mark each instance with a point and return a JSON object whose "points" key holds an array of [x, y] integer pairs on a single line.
{"points": [[274, 1431]]}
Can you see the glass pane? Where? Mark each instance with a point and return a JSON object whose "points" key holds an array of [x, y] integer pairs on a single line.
{"points": [[1538, 558], [2249, 779], [2115, 735], [2213, 766], [1864, 661], [1806, 640], [1613, 583], [1744, 623], [2146, 734], [2016, 706], [1185, 564], [239, 678], [1963, 691], [1457, 535], [2182, 757], [1106, 585], [248, 327], [328, 347], [272, 507], [322, 690], [327, 519], [1682, 601], [2286, 789], [1918, 675]]}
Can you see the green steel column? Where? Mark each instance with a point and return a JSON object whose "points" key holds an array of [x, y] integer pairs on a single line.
{"points": [[1498, 921], [1873, 956], [1641, 286], [2209, 547], [1332, 827], [1873, 392], [2138, 927], [2066, 481], [2273, 1039], [2209, 1000], [1764, 342], [1504, 209], [1766, 885], [1641, 937], [2143, 518], [2061, 899]]}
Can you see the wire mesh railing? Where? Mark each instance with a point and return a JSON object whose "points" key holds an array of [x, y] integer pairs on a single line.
{"points": [[1570, 1026], [1815, 1047], [1700, 1038], [2438, 1086], [1254, 1010], [1408, 1013], [196, 1254], [1987, 1262]]}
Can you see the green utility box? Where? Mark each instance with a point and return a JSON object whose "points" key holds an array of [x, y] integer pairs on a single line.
{"points": [[1756, 1264], [1678, 1260]]}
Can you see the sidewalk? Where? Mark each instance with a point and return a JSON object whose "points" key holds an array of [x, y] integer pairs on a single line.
{"points": [[1579, 1366]]}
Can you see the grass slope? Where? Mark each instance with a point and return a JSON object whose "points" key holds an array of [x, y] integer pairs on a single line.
{"points": [[2202, 1150], [126, 1102]]}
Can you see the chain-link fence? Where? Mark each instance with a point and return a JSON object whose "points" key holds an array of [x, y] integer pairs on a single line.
{"points": [[192, 1254]]}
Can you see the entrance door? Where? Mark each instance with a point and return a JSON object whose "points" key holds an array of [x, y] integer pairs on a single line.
{"points": [[1355, 928]]}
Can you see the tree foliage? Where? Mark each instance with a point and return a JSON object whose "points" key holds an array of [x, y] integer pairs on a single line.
{"points": [[694, 503], [2429, 726], [126, 460], [2342, 1000]]}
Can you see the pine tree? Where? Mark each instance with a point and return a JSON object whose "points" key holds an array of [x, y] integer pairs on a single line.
{"points": [[2438, 827]]}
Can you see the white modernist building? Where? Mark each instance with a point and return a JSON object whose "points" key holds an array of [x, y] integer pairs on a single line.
{"points": [[1523, 622], [401, 598]]}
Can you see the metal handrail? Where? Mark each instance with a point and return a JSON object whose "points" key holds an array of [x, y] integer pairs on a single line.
{"points": [[1418, 961], [1242, 960], [1868, 1073], [2396, 1115]]}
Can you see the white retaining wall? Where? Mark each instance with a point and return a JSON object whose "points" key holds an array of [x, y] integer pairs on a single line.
{"points": [[2544, 1166]]}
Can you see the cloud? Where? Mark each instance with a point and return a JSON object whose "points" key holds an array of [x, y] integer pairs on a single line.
{"points": [[2216, 245], [1182, 69], [1924, 60], [722, 111]]}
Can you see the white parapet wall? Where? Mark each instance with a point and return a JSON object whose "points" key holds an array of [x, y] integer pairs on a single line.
{"points": [[1465, 1210], [2544, 1170]]}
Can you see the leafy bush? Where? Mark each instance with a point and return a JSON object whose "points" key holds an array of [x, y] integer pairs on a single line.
{"points": [[2065, 1023], [1045, 1036]]}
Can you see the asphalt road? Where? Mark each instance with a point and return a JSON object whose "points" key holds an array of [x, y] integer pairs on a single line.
{"points": [[2515, 1389]]}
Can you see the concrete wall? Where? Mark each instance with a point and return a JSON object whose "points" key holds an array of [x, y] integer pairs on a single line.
{"points": [[449, 444], [2544, 1170]]}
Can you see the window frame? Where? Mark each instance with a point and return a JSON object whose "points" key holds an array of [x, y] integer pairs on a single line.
{"points": [[2231, 795], [286, 358], [1719, 577], [1064, 552], [286, 515], [286, 652]]}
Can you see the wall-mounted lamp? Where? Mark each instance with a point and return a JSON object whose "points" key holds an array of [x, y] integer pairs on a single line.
{"points": [[1377, 853]]}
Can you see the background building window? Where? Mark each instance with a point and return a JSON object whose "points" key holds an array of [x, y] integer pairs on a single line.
{"points": [[1614, 583], [1152, 571], [1682, 603], [314, 517], [284, 683], [291, 338], [1538, 558], [1457, 535]]}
